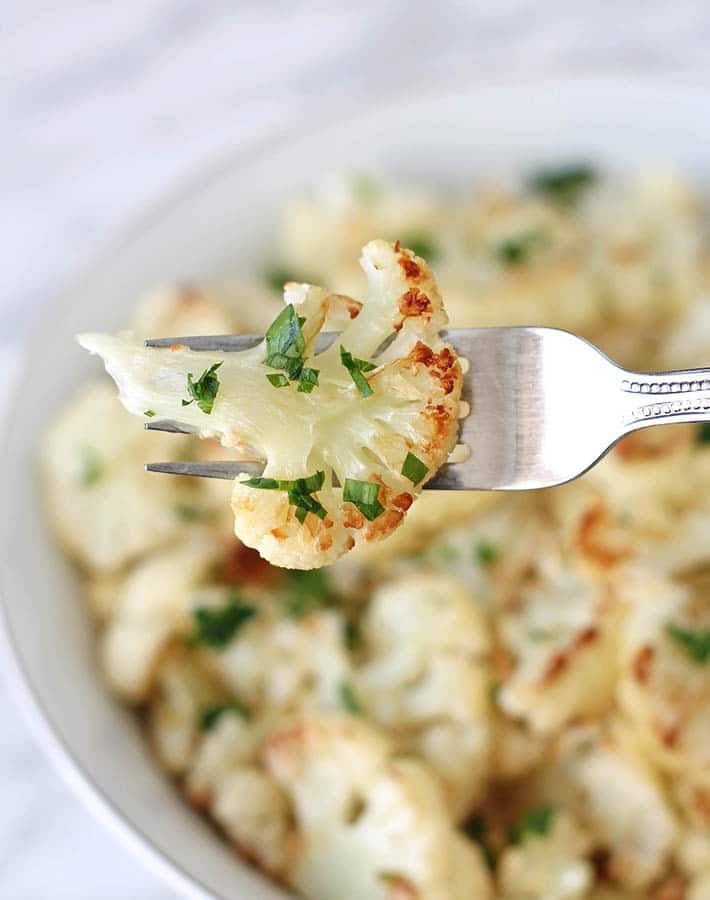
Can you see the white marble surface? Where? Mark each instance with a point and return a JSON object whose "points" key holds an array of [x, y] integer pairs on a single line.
{"points": [[105, 106]]}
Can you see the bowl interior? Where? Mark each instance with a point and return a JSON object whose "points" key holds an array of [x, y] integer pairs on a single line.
{"points": [[223, 223]]}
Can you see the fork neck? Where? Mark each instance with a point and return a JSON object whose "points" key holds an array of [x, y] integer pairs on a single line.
{"points": [[663, 398]]}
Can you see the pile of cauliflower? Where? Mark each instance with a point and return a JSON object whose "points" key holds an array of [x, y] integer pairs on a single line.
{"points": [[507, 700], [382, 421]]}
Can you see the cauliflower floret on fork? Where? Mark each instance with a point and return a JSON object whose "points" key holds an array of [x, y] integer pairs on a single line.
{"points": [[381, 422]]}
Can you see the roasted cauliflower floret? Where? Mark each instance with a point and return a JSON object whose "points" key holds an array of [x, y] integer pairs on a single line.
{"points": [[105, 509], [282, 663], [425, 679], [382, 426], [227, 779], [608, 785], [562, 639], [369, 825], [550, 866], [665, 688], [153, 605]]}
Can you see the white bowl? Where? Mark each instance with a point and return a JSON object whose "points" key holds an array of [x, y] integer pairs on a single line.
{"points": [[221, 223]]}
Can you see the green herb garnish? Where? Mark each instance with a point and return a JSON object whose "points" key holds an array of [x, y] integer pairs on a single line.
{"points": [[90, 466], [515, 251], [536, 822], [299, 492], [486, 554], [308, 380], [277, 379], [703, 434], [695, 643], [422, 245], [356, 367], [447, 553], [563, 185], [149, 412], [348, 698], [413, 468], [217, 626], [306, 591], [285, 343], [365, 188], [189, 513], [276, 277], [204, 390], [210, 716], [351, 634], [477, 829], [364, 495]]}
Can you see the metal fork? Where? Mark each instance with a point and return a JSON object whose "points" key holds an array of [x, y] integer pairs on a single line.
{"points": [[546, 405]]}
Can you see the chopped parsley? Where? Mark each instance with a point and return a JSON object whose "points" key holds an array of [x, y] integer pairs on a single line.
{"points": [[149, 412], [188, 513], [365, 188], [421, 244], [285, 346], [413, 468], [695, 643], [363, 495], [306, 591], [703, 435], [536, 822], [217, 626], [477, 829], [351, 634], [563, 185], [515, 251], [356, 367], [210, 716], [275, 277], [486, 554], [277, 379], [299, 491], [308, 380], [90, 466], [204, 390], [348, 698]]}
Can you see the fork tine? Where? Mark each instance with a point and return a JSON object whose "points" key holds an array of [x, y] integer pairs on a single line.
{"points": [[169, 426], [227, 469], [229, 343]]}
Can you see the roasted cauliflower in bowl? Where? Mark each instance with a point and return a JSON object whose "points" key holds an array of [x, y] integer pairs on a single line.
{"points": [[508, 698]]}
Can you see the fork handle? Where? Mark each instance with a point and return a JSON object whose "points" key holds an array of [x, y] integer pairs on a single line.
{"points": [[662, 398]]}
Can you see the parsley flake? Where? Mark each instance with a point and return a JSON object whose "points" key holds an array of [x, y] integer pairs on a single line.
{"points": [[90, 466], [277, 379], [563, 185], [299, 492], [217, 626], [423, 245], [204, 390], [536, 822], [477, 829], [695, 643], [308, 380], [307, 590], [363, 495], [515, 251], [356, 367], [149, 412], [210, 716], [349, 699], [486, 554], [413, 468]]}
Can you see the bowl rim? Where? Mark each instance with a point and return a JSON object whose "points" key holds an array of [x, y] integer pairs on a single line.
{"points": [[39, 718]]}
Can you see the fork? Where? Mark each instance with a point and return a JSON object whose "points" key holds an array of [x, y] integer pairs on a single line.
{"points": [[546, 405]]}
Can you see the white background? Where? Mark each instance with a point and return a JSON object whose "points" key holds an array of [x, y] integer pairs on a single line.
{"points": [[104, 106]]}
